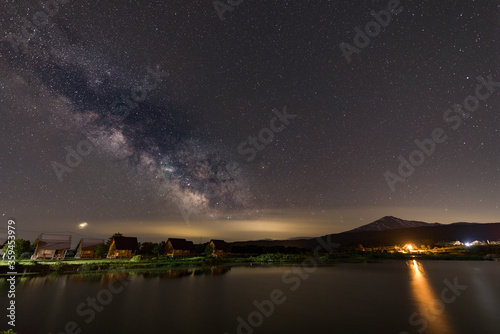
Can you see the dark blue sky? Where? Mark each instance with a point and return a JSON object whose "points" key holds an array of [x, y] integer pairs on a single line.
{"points": [[141, 117]]}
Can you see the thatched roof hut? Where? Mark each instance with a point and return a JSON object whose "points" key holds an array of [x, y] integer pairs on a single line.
{"points": [[178, 247], [123, 247], [86, 248], [51, 246]]}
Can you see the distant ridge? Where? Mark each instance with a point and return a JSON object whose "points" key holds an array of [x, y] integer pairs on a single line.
{"points": [[462, 223], [390, 223], [390, 230]]}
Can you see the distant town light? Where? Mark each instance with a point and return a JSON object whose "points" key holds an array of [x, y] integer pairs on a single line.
{"points": [[408, 248]]}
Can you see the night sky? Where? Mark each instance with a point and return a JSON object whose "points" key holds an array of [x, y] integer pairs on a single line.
{"points": [[264, 119]]}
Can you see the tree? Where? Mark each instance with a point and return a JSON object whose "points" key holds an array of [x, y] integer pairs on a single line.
{"points": [[429, 243], [147, 248], [209, 250], [101, 250], [359, 248], [32, 247], [200, 248], [20, 246], [158, 248]]}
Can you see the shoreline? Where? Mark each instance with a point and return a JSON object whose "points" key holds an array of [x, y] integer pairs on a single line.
{"points": [[103, 266]]}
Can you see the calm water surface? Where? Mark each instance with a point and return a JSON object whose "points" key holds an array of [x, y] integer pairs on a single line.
{"points": [[391, 297]]}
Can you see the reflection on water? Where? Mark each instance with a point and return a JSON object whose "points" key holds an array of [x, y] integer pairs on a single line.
{"points": [[212, 271], [189, 272], [431, 313], [104, 278], [435, 297]]}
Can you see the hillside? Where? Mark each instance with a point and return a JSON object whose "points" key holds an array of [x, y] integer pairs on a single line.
{"points": [[390, 223], [462, 232], [389, 231]]}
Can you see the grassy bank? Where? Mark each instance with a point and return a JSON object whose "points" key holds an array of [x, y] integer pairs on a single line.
{"points": [[69, 266], [102, 265]]}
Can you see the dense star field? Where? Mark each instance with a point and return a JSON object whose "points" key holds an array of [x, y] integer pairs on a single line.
{"points": [[247, 119]]}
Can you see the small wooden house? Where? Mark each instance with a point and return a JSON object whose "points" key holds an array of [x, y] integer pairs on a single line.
{"points": [[86, 248], [219, 247], [123, 247], [51, 246], [178, 247]]}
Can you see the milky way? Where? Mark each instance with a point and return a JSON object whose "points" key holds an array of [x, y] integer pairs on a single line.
{"points": [[152, 104]]}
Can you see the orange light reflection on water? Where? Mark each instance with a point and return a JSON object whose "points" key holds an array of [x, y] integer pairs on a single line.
{"points": [[431, 311]]}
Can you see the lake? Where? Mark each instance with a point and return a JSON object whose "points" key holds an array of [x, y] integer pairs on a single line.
{"points": [[389, 297]]}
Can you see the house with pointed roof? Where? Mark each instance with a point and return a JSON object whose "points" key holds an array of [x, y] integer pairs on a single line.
{"points": [[219, 247], [51, 246], [123, 247], [86, 248], [178, 247]]}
